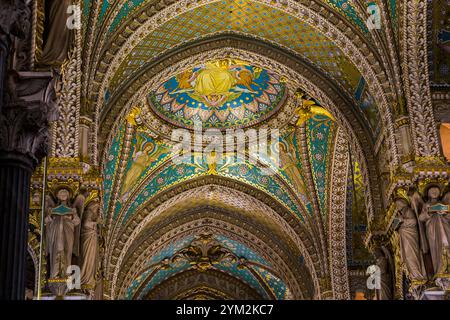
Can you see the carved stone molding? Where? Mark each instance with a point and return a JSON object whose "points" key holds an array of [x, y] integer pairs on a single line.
{"points": [[337, 223], [182, 285], [416, 78], [262, 240], [120, 247]]}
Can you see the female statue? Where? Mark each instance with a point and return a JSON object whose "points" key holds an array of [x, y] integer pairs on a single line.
{"points": [[60, 224], [386, 280], [89, 244], [410, 252], [59, 36], [437, 225]]}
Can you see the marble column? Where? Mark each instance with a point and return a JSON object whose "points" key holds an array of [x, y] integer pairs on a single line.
{"points": [[27, 104], [28, 107], [15, 174]]}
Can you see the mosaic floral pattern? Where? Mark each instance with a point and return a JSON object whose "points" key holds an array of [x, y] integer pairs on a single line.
{"points": [[219, 94], [111, 166], [320, 134]]}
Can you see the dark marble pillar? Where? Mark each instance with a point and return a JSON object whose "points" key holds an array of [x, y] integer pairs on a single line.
{"points": [[27, 104], [28, 107], [15, 174]]}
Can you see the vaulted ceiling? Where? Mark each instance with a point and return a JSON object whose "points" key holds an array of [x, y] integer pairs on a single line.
{"points": [[270, 233]]}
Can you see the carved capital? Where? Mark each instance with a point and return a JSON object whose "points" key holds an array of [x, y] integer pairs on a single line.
{"points": [[14, 18], [30, 104]]}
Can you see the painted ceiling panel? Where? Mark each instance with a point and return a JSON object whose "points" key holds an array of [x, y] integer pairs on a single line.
{"points": [[145, 154], [103, 9], [320, 131], [368, 108], [357, 253], [275, 284], [151, 161], [245, 172], [346, 8], [220, 94], [439, 35], [130, 6], [248, 18]]}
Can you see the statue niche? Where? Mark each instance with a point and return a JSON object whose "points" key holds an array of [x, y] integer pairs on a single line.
{"points": [[58, 38]]}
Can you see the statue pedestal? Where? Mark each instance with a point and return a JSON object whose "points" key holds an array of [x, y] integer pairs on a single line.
{"points": [[75, 296], [436, 294]]}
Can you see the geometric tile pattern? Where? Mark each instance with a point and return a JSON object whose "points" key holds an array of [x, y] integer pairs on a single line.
{"points": [[249, 18]]}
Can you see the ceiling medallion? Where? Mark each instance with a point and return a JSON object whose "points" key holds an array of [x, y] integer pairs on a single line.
{"points": [[224, 93]]}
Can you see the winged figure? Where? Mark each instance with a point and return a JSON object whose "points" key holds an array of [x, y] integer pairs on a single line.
{"points": [[309, 109]]}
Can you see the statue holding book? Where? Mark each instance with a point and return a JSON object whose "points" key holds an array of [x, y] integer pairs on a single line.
{"points": [[60, 224]]}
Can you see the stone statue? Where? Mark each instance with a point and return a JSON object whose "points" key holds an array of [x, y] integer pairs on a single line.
{"points": [[410, 251], [78, 205], [436, 217], [382, 261], [60, 224], [59, 36], [89, 245]]}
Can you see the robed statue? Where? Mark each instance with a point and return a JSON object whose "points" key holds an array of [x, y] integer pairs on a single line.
{"points": [[435, 215], [59, 36], [89, 244], [384, 263], [60, 222], [410, 251]]}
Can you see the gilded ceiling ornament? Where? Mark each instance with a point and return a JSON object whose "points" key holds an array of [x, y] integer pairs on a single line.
{"points": [[133, 116], [308, 108]]}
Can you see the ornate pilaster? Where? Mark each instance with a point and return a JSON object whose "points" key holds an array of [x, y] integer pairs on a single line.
{"points": [[337, 223], [416, 79]]}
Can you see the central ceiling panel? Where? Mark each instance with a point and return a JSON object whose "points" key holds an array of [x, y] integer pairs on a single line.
{"points": [[220, 94]]}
